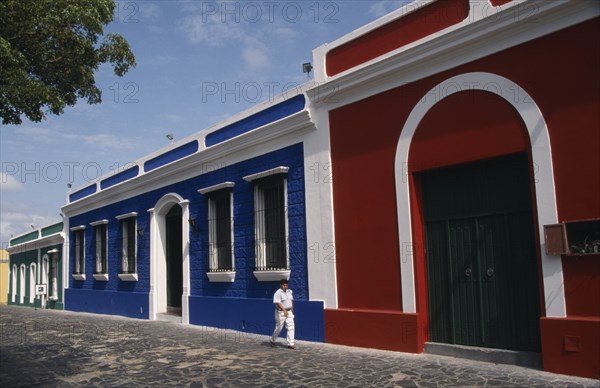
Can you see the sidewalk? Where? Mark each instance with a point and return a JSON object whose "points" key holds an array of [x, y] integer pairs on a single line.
{"points": [[62, 348]]}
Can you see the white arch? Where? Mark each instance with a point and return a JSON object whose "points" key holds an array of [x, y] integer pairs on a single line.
{"points": [[32, 281], [44, 277], [22, 284], [544, 178], [14, 283], [158, 261]]}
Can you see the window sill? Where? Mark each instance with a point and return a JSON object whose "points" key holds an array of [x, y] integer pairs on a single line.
{"points": [[272, 276], [78, 276], [101, 276], [128, 277], [228, 276]]}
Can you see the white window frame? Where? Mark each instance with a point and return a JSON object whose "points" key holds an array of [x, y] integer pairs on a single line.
{"points": [[262, 273], [215, 274], [99, 226], [79, 254], [124, 273]]}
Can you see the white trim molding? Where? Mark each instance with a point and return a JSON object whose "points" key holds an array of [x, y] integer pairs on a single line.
{"points": [[102, 277], [272, 276], [128, 277], [263, 174], [223, 277], [158, 264], [126, 215], [220, 186], [533, 119], [99, 222], [76, 228]]}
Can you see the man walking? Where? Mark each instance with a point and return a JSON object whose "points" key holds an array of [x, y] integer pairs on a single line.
{"points": [[284, 313]]}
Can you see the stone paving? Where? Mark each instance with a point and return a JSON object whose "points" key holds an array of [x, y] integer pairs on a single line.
{"points": [[61, 348]]}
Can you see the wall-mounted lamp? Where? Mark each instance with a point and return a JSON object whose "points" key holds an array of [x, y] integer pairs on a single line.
{"points": [[32, 227], [140, 232], [170, 137], [307, 68], [69, 186], [193, 224]]}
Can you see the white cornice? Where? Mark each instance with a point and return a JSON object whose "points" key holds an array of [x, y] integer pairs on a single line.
{"points": [[192, 165], [262, 174], [465, 42], [220, 186], [99, 222], [53, 239], [126, 215]]}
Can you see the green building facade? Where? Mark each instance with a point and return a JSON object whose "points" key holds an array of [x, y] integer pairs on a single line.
{"points": [[36, 263]]}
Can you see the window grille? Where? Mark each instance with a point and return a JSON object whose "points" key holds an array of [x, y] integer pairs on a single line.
{"points": [[101, 242], [271, 224], [128, 246], [79, 252], [220, 239]]}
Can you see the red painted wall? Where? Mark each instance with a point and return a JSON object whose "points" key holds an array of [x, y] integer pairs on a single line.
{"points": [[558, 71], [400, 32], [372, 329], [467, 126], [571, 346]]}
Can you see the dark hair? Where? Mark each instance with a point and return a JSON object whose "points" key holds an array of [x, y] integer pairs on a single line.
{"points": [[283, 281]]}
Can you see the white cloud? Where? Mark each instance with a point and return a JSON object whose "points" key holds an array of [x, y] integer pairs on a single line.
{"points": [[16, 218], [285, 33], [210, 29], [255, 54], [9, 183], [38, 134], [162, 60], [216, 30], [53, 136], [149, 11]]}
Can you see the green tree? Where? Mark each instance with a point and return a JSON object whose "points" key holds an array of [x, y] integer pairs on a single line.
{"points": [[49, 51]]}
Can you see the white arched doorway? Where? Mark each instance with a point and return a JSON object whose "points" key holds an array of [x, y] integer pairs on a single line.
{"points": [[32, 281], [160, 239], [44, 279], [22, 284], [540, 149], [14, 283]]}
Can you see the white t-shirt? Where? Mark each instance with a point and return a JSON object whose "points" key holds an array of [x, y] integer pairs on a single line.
{"points": [[285, 298]]}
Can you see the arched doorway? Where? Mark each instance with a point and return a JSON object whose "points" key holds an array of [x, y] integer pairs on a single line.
{"points": [[22, 284], [174, 259], [169, 259], [541, 161], [14, 283]]}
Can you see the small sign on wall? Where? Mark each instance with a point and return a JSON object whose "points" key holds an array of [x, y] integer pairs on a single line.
{"points": [[40, 289]]}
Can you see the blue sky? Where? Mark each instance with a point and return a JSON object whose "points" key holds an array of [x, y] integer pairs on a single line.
{"points": [[198, 62]]}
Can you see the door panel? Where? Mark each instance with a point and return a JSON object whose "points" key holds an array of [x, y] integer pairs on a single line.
{"points": [[174, 256], [481, 259]]}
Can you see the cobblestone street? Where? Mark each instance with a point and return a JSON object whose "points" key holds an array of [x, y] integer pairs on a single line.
{"points": [[61, 348]]}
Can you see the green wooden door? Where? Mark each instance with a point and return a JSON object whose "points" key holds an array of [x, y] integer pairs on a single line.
{"points": [[481, 260], [174, 255]]}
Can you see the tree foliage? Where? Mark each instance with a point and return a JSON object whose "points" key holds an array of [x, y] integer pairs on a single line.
{"points": [[49, 52]]}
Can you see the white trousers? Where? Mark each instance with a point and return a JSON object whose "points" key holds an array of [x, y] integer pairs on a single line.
{"points": [[281, 320]]}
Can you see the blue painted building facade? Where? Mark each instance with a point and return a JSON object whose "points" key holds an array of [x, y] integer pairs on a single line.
{"points": [[177, 178]]}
